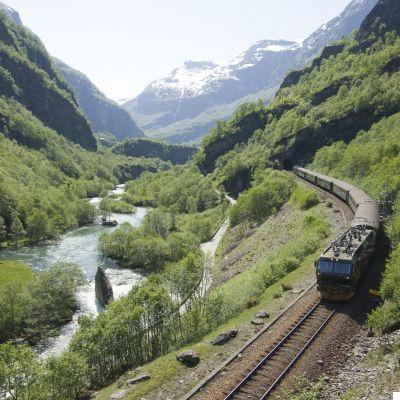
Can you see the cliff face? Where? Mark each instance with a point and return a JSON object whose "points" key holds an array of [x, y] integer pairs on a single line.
{"points": [[385, 17], [104, 292], [28, 75], [103, 113]]}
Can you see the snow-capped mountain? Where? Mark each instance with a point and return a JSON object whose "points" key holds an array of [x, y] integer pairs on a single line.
{"points": [[183, 106]]}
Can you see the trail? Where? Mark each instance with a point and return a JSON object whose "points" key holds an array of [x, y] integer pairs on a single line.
{"points": [[209, 249]]}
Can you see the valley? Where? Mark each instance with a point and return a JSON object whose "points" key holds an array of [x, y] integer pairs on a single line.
{"points": [[204, 258]]}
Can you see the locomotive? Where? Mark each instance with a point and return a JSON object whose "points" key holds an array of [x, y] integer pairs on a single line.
{"points": [[342, 264]]}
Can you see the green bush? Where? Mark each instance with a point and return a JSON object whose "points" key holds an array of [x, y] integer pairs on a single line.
{"points": [[116, 206], [263, 199], [37, 307], [304, 198]]}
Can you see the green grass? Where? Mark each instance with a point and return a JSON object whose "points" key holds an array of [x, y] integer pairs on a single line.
{"points": [[12, 272]]}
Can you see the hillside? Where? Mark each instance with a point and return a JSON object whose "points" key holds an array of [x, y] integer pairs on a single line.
{"points": [[183, 106], [105, 115], [48, 163], [152, 149], [345, 91], [28, 76]]}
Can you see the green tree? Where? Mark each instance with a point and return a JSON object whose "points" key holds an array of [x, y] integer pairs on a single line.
{"points": [[16, 229], [37, 225], [65, 376], [3, 229], [19, 372]]}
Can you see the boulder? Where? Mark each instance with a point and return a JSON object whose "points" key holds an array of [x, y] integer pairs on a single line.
{"points": [[262, 314], [224, 337], [189, 358], [137, 379], [104, 292], [257, 321], [118, 395]]}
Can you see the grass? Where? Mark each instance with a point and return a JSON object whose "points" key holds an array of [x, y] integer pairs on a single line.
{"points": [[12, 272]]}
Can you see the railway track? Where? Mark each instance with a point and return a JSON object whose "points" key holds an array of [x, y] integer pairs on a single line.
{"points": [[259, 383], [272, 365]]}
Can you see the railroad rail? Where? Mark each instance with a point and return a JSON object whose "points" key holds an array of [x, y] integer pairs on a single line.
{"points": [[259, 383]]}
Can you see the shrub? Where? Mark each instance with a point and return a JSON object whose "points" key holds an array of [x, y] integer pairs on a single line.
{"points": [[304, 198], [263, 199]]}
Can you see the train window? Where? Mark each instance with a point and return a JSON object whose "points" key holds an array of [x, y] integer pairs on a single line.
{"points": [[334, 267]]}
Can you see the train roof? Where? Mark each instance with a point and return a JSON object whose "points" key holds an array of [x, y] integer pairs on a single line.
{"points": [[346, 246]]}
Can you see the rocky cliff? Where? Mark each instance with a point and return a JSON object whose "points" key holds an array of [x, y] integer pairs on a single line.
{"points": [[27, 75], [104, 114]]}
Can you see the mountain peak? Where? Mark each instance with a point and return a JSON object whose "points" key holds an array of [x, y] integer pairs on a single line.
{"points": [[11, 13]]}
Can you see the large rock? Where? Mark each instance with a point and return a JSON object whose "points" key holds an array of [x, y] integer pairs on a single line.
{"points": [[262, 314], [104, 292], [224, 337], [118, 395], [137, 379], [189, 358]]}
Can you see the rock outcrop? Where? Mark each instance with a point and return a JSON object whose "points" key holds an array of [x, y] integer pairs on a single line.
{"points": [[104, 292], [224, 337], [189, 358]]}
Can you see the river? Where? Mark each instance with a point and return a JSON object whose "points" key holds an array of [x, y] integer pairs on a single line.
{"points": [[80, 246]]}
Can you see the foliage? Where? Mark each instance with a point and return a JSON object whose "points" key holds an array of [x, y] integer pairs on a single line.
{"points": [[34, 305], [182, 189], [263, 199], [153, 149], [116, 206], [24, 377], [304, 198], [45, 180], [150, 246]]}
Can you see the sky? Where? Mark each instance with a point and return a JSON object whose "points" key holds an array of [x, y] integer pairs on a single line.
{"points": [[123, 45]]}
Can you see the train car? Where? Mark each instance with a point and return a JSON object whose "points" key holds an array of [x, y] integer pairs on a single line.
{"points": [[325, 182], [310, 176], [341, 266], [367, 214], [341, 189], [343, 263], [299, 171]]}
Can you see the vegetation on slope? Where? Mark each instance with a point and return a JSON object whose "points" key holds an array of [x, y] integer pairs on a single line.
{"points": [[28, 76], [104, 114], [187, 211], [344, 92], [45, 180], [154, 149]]}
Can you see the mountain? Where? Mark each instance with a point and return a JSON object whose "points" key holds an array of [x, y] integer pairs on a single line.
{"points": [[350, 87], [11, 13], [183, 106], [103, 113], [152, 149], [28, 76]]}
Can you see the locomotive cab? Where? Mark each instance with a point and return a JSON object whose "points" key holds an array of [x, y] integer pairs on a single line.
{"points": [[335, 277], [342, 264]]}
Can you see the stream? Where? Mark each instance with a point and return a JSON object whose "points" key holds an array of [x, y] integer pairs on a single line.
{"points": [[80, 246]]}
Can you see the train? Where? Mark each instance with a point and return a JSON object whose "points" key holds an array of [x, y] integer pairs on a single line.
{"points": [[342, 264]]}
